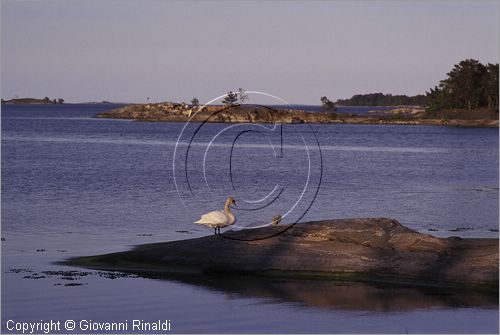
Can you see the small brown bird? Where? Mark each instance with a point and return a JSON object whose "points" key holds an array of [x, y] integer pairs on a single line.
{"points": [[276, 219]]}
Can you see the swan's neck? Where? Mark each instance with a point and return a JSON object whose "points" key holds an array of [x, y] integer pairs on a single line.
{"points": [[227, 209]]}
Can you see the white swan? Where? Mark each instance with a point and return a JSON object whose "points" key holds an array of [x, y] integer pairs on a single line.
{"points": [[219, 219]]}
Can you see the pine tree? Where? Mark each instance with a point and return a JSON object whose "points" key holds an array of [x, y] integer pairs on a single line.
{"points": [[491, 86], [469, 85], [243, 96], [327, 105], [465, 83], [230, 99]]}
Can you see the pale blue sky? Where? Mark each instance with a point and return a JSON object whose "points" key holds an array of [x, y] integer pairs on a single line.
{"points": [[299, 51]]}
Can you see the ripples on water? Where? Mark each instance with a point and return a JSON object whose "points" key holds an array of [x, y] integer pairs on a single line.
{"points": [[75, 185]]}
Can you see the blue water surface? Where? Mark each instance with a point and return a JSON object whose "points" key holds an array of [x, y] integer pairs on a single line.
{"points": [[77, 185]]}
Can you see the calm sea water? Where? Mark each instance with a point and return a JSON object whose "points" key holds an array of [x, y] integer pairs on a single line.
{"points": [[75, 185], [359, 110]]}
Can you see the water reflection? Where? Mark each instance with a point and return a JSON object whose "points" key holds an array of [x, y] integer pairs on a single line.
{"points": [[341, 295]]}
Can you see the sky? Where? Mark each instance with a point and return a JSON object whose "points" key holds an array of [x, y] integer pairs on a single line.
{"points": [[127, 51]]}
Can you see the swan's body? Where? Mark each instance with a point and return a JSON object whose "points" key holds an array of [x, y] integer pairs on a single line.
{"points": [[219, 219]]}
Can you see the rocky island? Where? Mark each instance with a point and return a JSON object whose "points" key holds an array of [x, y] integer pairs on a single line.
{"points": [[371, 250], [32, 101], [180, 112]]}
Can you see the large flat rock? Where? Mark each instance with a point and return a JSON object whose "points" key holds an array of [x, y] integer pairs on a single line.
{"points": [[374, 249]]}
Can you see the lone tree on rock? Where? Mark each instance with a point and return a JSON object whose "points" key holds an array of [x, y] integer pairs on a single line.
{"points": [[242, 95], [327, 105], [230, 99], [195, 102]]}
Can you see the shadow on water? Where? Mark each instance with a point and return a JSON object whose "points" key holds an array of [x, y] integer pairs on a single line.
{"points": [[340, 295]]}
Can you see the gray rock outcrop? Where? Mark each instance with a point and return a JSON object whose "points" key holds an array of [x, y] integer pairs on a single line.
{"points": [[353, 249]]}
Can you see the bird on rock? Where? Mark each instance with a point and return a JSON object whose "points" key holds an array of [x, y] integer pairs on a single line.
{"points": [[219, 219]]}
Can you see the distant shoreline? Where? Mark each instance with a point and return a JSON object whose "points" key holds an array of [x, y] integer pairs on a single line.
{"points": [[177, 112], [33, 101]]}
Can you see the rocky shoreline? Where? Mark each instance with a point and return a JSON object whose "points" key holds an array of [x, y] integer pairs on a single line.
{"points": [[173, 112], [366, 250]]}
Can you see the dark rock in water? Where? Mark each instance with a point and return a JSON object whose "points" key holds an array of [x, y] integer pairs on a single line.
{"points": [[460, 229], [67, 273], [34, 276], [115, 275], [75, 284], [19, 270], [297, 120], [380, 250]]}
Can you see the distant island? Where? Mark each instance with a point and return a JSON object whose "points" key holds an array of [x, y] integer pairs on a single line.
{"points": [[33, 101], [381, 99], [468, 97], [469, 86], [181, 112]]}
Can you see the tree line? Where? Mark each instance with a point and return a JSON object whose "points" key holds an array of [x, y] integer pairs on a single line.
{"points": [[45, 100], [380, 99], [469, 85]]}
